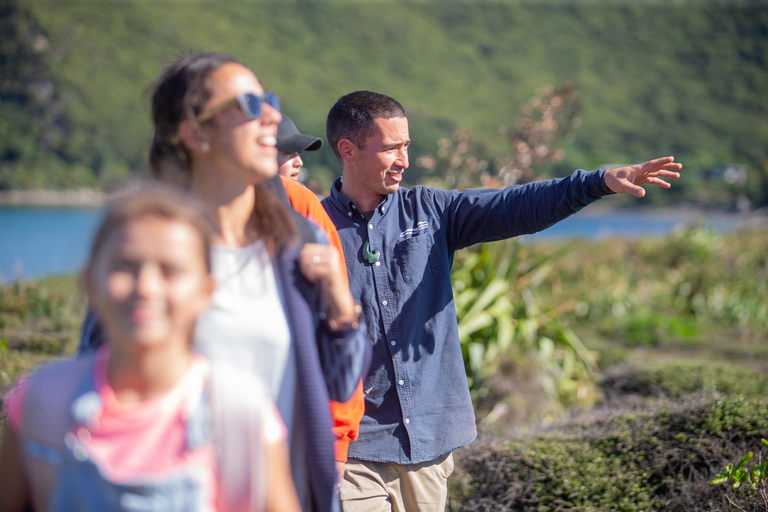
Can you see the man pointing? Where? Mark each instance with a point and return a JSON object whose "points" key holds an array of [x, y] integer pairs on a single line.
{"points": [[399, 246]]}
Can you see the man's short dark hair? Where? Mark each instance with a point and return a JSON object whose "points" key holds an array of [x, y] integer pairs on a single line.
{"points": [[353, 115]]}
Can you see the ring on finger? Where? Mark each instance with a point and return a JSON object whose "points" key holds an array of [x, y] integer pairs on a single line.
{"points": [[316, 259]]}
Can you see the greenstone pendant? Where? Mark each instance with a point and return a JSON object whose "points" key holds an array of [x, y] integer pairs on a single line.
{"points": [[368, 255]]}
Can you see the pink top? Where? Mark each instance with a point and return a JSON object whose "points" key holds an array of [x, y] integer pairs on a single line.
{"points": [[133, 441]]}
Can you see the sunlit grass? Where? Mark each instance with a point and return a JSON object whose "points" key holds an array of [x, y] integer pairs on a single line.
{"points": [[38, 320]]}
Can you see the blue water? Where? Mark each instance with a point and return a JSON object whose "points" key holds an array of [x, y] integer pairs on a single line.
{"points": [[625, 224], [37, 242]]}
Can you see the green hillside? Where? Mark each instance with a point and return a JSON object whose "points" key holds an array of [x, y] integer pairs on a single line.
{"points": [[682, 78]]}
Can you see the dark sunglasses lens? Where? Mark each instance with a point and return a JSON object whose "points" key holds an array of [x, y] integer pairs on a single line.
{"points": [[272, 100], [251, 105]]}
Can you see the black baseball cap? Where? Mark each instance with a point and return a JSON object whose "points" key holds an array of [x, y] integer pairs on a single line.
{"points": [[289, 140]]}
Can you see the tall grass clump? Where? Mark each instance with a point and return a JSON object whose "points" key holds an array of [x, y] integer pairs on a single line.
{"points": [[501, 315]]}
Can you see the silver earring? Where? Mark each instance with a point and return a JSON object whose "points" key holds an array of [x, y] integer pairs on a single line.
{"points": [[205, 147]]}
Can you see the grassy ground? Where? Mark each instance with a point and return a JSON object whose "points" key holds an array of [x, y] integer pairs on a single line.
{"points": [[38, 321]]}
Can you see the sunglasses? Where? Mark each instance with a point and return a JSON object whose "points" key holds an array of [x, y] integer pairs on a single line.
{"points": [[249, 103]]}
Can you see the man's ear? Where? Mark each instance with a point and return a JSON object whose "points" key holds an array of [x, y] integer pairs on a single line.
{"points": [[192, 136], [347, 149]]}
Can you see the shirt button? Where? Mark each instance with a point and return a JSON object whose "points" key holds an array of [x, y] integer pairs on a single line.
{"points": [[382, 209], [370, 226], [354, 207], [384, 303], [401, 382], [407, 421], [393, 343], [349, 214], [378, 263]]}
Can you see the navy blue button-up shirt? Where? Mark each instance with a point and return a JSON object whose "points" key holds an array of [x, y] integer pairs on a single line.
{"points": [[417, 402]]}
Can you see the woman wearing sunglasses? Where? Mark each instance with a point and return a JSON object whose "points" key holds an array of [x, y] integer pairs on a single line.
{"points": [[278, 310]]}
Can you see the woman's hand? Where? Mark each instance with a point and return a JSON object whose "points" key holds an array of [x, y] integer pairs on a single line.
{"points": [[321, 264]]}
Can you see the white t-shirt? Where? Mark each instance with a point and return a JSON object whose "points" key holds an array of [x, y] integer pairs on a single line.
{"points": [[246, 324]]}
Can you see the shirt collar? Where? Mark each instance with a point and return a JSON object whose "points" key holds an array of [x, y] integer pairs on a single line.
{"points": [[347, 205]]}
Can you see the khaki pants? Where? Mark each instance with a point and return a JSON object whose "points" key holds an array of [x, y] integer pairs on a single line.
{"points": [[388, 486]]}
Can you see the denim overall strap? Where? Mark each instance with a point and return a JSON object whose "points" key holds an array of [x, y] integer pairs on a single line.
{"points": [[312, 400], [83, 486]]}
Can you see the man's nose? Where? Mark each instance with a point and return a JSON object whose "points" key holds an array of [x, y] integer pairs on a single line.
{"points": [[402, 157], [298, 162]]}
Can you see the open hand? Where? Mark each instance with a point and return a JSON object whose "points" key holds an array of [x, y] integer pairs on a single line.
{"points": [[628, 179]]}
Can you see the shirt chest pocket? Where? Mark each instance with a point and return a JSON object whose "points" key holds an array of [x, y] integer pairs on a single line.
{"points": [[412, 257]]}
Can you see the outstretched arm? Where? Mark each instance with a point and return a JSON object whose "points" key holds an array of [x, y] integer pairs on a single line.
{"points": [[629, 179]]}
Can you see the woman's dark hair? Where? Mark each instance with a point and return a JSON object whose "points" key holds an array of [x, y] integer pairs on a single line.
{"points": [[179, 94]]}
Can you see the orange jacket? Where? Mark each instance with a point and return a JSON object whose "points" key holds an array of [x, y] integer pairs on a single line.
{"points": [[346, 416]]}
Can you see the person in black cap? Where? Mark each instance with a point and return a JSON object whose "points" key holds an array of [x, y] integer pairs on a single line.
{"points": [[290, 143]]}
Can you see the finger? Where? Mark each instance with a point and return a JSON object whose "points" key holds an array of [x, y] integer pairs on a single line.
{"points": [[627, 187], [651, 165], [310, 267], [666, 174], [658, 182], [662, 174], [307, 270], [672, 167]]}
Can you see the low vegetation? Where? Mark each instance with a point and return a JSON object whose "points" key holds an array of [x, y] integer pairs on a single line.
{"points": [[677, 327], [662, 459], [38, 320], [609, 375]]}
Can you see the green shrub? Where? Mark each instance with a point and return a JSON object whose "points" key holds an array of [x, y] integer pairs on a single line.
{"points": [[499, 309], [634, 461]]}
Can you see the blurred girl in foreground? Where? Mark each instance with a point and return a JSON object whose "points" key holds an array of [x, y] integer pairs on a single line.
{"points": [[143, 423], [284, 314]]}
